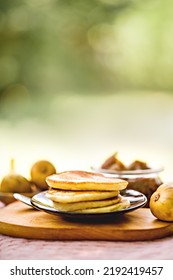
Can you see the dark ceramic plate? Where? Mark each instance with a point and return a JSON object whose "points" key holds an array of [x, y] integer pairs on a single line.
{"points": [[137, 200]]}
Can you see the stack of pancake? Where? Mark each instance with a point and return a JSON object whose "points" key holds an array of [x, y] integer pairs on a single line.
{"points": [[86, 192]]}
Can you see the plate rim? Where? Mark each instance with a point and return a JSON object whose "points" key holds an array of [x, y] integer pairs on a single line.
{"points": [[156, 169]]}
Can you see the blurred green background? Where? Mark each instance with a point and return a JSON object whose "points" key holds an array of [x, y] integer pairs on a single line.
{"points": [[82, 79]]}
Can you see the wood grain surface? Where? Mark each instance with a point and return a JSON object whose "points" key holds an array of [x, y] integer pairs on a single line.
{"points": [[19, 220]]}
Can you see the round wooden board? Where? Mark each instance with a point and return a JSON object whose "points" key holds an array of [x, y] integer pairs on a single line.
{"points": [[19, 220]]}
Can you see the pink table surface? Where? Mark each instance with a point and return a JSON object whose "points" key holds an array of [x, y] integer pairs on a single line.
{"points": [[25, 249]]}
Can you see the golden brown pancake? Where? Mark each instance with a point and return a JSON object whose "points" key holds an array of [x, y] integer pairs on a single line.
{"points": [[70, 207], [83, 180], [123, 204], [65, 196]]}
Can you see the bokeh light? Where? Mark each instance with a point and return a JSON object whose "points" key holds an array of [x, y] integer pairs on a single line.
{"points": [[80, 79]]}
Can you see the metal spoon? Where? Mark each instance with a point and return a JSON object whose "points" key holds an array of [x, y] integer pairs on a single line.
{"points": [[24, 199], [36, 204]]}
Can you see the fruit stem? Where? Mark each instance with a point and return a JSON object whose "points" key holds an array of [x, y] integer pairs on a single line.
{"points": [[12, 165], [157, 196]]}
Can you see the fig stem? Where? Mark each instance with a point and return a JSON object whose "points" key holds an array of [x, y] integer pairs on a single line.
{"points": [[12, 165], [157, 196]]}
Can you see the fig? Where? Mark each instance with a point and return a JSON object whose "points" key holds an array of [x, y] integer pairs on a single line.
{"points": [[15, 183], [113, 163], [161, 202], [138, 164], [39, 171]]}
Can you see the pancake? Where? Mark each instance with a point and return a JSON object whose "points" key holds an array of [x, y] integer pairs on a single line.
{"points": [[65, 196], [70, 207], [123, 204], [83, 180]]}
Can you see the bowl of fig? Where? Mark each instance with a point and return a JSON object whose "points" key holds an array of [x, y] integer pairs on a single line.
{"points": [[141, 176]]}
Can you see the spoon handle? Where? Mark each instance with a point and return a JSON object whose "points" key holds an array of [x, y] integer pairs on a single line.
{"points": [[24, 199]]}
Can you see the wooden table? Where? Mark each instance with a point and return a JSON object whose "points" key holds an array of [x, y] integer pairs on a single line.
{"points": [[20, 248]]}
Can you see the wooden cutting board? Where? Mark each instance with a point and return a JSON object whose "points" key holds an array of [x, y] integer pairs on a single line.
{"points": [[19, 220]]}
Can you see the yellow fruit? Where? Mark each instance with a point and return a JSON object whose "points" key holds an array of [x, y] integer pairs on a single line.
{"points": [[15, 183], [161, 202], [39, 171]]}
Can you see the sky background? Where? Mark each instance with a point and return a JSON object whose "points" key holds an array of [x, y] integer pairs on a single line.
{"points": [[80, 80]]}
